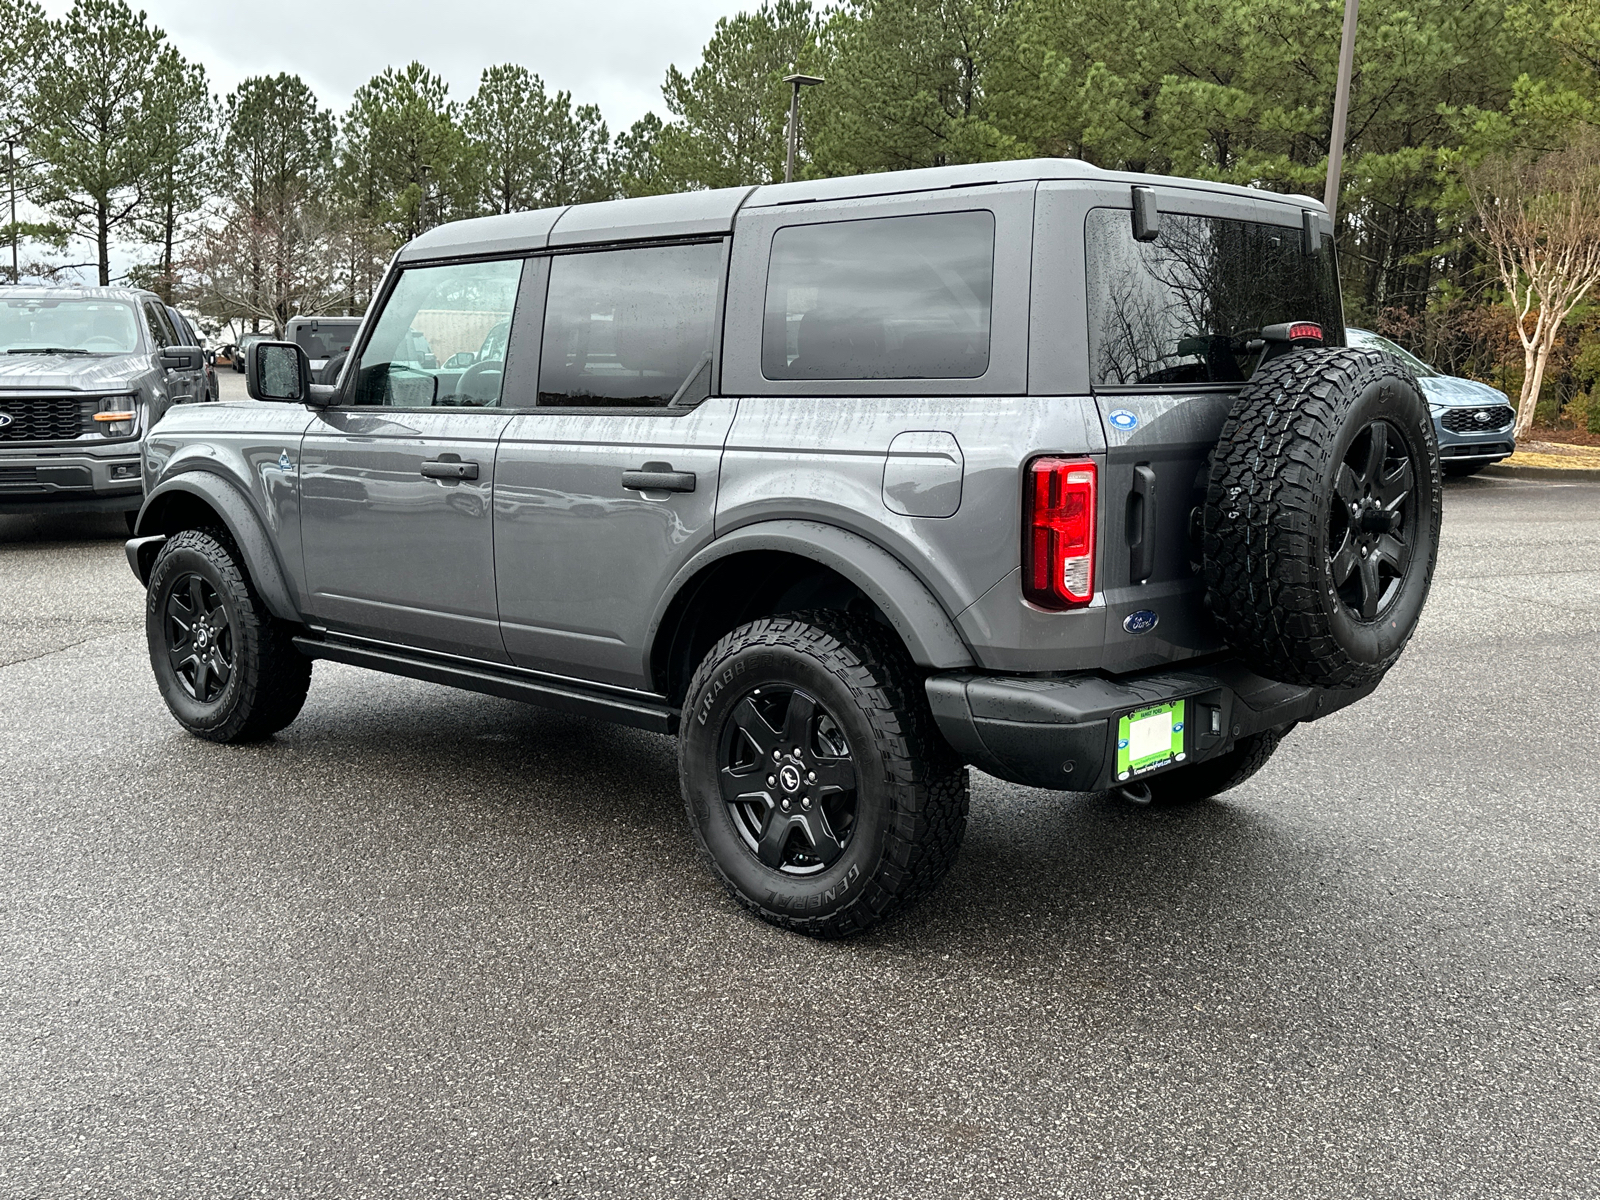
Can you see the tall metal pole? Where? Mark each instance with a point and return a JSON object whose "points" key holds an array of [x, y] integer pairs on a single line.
{"points": [[797, 82], [1341, 108], [11, 162]]}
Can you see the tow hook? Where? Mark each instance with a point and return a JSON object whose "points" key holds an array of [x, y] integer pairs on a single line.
{"points": [[1135, 793]]}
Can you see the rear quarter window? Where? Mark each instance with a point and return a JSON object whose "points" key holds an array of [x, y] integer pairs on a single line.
{"points": [[1184, 308], [884, 298]]}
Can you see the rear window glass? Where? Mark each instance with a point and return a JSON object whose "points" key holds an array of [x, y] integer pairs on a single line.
{"points": [[1185, 308], [889, 298], [625, 328]]}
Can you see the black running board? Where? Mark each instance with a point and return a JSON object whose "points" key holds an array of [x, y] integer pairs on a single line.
{"points": [[641, 710]]}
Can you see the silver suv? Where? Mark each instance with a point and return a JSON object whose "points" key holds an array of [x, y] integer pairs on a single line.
{"points": [[848, 484], [84, 372]]}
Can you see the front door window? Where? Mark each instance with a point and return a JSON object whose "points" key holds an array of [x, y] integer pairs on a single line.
{"points": [[440, 340]]}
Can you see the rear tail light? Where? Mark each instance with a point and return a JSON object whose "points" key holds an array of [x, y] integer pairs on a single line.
{"points": [[1058, 533]]}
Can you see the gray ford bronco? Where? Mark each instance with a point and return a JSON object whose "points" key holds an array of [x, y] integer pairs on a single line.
{"points": [[84, 372], [849, 484]]}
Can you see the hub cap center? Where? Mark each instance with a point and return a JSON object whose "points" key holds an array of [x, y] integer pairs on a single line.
{"points": [[789, 777]]}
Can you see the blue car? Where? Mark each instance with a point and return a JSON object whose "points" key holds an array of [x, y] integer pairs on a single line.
{"points": [[1473, 420]]}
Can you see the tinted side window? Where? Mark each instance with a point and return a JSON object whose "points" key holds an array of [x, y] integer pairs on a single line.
{"points": [[630, 327], [425, 349], [160, 325], [888, 298], [1185, 307]]}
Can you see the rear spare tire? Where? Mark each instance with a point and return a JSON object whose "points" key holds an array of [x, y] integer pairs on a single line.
{"points": [[1322, 517]]}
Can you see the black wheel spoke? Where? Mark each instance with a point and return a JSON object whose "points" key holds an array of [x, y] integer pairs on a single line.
{"points": [[755, 727], [181, 657], [221, 669], [775, 839], [1346, 486], [746, 786], [1344, 561], [834, 774], [202, 676], [1394, 552], [1393, 488], [1377, 453], [799, 721], [197, 602], [1371, 588]]}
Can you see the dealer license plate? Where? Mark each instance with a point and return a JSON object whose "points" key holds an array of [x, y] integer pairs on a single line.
{"points": [[1150, 738]]}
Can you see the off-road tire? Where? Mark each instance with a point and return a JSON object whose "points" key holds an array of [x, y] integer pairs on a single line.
{"points": [[1211, 778], [269, 678], [911, 788], [1269, 520]]}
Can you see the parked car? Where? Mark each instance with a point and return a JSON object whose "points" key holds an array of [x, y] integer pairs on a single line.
{"points": [[191, 337], [84, 374], [241, 349], [324, 339], [849, 484], [1475, 423]]}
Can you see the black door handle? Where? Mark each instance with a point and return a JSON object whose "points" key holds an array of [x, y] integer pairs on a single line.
{"points": [[658, 477], [1142, 524], [449, 468]]}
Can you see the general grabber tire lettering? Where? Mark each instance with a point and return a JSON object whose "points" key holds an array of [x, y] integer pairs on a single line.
{"points": [[816, 782], [1322, 517], [1217, 775], [227, 668]]}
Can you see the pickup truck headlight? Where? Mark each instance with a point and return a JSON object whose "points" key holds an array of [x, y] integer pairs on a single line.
{"points": [[117, 416]]}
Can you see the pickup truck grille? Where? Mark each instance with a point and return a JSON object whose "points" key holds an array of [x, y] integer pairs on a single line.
{"points": [[46, 418], [1477, 420]]}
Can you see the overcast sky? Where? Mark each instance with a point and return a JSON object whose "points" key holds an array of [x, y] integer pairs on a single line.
{"points": [[613, 53]]}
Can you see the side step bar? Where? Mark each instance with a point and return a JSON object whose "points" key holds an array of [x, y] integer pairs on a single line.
{"points": [[641, 710]]}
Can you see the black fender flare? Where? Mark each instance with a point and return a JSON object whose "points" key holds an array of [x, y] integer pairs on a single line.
{"points": [[244, 525], [915, 613]]}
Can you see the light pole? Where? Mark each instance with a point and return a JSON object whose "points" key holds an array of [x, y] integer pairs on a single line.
{"points": [[11, 164], [798, 82], [1341, 107], [422, 202]]}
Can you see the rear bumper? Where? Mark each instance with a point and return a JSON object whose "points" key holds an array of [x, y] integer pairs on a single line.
{"points": [[1061, 732], [107, 481]]}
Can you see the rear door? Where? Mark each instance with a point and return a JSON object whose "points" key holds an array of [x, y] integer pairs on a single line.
{"points": [[607, 481], [1173, 309], [397, 481]]}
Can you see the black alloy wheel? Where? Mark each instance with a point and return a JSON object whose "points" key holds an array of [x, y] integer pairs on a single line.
{"points": [[1369, 528], [788, 779], [200, 638]]}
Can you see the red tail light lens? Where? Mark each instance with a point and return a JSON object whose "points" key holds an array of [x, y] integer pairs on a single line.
{"points": [[1305, 331], [1058, 537]]}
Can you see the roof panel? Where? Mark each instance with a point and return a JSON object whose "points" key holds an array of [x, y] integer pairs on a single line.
{"points": [[507, 234], [683, 214]]}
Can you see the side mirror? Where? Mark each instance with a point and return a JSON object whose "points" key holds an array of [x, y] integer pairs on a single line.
{"points": [[278, 371], [459, 361], [183, 358]]}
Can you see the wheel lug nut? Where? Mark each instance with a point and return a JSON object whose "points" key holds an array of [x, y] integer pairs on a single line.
{"points": [[806, 803], [772, 781], [776, 755], [811, 777], [786, 804]]}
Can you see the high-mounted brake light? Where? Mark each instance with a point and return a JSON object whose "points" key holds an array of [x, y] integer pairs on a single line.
{"points": [[1305, 331], [1058, 533], [1296, 333]]}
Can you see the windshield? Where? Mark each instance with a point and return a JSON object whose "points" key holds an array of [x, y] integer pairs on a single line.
{"points": [[1366, 340], [73, 325]]}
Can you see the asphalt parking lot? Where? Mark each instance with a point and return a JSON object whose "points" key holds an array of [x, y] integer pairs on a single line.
{"points": [[434, 944]]}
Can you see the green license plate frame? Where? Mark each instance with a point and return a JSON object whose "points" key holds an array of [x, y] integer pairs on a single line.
{"points": [[1152, 738]]}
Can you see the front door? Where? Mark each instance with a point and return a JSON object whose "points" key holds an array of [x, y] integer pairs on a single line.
{"points": [[609, 484], [397, 481], [183, 387]]}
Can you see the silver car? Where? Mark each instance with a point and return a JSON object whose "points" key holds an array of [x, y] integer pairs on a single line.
{"points": [[1473, 421]]}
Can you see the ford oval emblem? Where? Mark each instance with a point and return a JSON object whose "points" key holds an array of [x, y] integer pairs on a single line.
{"points": [[5, 419], [1139, 622], [1123, 419]]}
